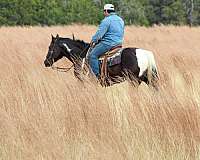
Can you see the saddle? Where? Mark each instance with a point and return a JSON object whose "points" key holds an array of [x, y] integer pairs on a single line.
{"points": [[111, 52], [104, 59]]}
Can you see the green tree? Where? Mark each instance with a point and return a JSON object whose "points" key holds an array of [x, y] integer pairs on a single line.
{"points": [[8, 13], [173, 13], [190, 9], [195, 12], [83, 11], [166, 12], [133, 12], [138, 12]]}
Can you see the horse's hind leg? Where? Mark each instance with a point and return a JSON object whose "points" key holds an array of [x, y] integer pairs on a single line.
{"points": [[152, 84], [144, 78]]}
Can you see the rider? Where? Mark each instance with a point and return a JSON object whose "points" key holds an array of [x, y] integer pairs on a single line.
{"points": [[109, 34]]}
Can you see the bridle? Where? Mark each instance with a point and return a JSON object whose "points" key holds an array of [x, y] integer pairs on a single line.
{"points": [[64, 69], [60, 69]]}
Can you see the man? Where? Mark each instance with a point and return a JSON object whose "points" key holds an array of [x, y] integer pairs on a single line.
{"points": [[109, 34]]}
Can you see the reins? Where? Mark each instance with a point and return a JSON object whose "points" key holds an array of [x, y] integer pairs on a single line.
{"points": [[62, 69]]}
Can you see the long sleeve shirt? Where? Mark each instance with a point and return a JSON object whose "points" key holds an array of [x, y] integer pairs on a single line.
{"points": [[110, 31]]}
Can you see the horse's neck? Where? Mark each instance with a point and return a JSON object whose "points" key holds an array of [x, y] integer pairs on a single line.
{"points": [[81, 50], [78, 48]]}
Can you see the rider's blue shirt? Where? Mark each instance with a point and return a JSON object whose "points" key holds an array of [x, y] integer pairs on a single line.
{"points": [[110, 31]]}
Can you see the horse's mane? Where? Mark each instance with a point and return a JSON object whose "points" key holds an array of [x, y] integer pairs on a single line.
{"points": [[76, 42], [81, 43]]}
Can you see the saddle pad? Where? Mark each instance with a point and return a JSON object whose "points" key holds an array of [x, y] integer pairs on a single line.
{"points": [[115, 59]]}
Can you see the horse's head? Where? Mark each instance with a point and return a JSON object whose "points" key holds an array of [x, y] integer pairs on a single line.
{"points": [[69, 48], [54, 52]]}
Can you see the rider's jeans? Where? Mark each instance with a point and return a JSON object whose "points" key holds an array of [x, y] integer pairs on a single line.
{"points": [[93, 56]]}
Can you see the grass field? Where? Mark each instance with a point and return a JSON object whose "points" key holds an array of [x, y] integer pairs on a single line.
{"points": [[45, 114]]}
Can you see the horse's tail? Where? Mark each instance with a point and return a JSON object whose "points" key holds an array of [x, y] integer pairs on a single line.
{"points": [[152, 73]]}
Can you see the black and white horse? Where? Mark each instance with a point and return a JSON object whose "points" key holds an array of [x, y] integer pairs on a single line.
{"points": [[135, 64]]}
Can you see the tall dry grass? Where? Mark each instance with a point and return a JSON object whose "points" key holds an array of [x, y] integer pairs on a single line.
{"points": [[46, 114]]}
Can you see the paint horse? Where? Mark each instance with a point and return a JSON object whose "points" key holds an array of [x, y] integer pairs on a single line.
{"points": [[134, 64]]}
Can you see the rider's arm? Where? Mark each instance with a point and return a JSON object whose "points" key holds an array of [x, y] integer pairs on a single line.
{"points": [[103, 27]]}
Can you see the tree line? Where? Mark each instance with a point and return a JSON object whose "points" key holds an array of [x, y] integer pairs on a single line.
{"points": [[62, 12]]}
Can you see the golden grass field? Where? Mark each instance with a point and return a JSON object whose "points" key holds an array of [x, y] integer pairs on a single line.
{"points": [[46, 114]]}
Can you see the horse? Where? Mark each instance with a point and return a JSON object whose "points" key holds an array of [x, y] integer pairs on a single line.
{"points": [[136, 65]]}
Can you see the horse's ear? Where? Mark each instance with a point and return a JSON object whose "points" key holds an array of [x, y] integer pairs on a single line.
{"points": [[73, 36], [52, 36], [57, 36]]}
